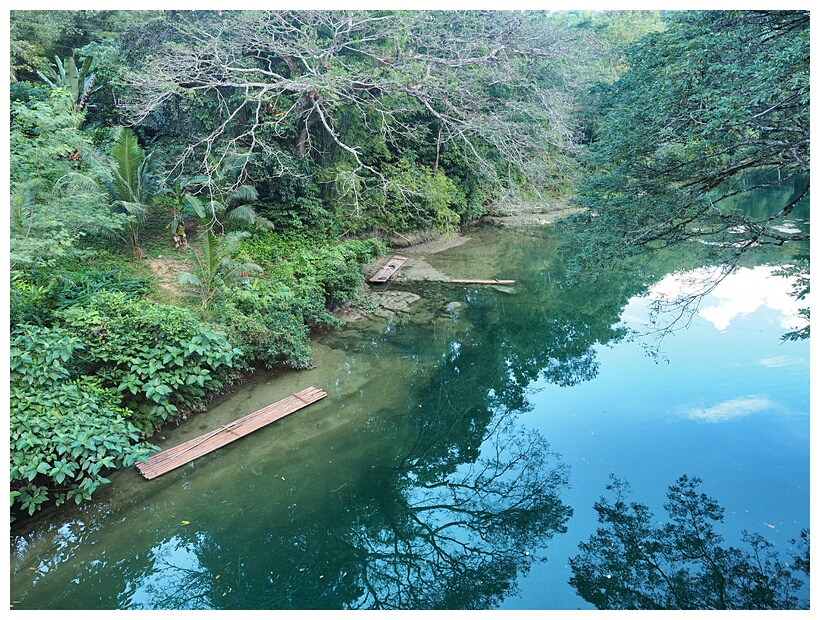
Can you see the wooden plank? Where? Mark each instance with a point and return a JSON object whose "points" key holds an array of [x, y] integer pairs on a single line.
{"points": [[184, 453], [388, 269], [462, 281]]}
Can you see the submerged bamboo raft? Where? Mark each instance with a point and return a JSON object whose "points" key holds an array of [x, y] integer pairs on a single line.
{"points": [[463, 281], [169, 459], [388, 269]]}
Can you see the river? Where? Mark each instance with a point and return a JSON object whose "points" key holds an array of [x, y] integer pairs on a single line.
{"points": [[467, 433]]}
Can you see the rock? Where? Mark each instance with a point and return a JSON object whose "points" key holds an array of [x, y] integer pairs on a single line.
{"points": [[397, 301]]}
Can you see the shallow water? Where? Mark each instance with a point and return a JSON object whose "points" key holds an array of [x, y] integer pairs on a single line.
{"points": [[458, 455]]}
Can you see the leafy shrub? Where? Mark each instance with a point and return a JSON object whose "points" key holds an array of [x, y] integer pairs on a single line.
{"points": [[28, 91], [157, 357], [36, 296], [362, 250], [54, 205], [332, 271], [66, 431], [337, 270], [270, 320], [305, 215], [267, 247], [416, 198]]}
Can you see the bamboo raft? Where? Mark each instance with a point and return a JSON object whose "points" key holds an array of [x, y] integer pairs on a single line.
{"points": [[388, 269], [169, 459], [461, 281]]}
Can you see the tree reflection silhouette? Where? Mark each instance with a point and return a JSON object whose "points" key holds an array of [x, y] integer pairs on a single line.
{"points": [[406, 538], [460, 540], [636, 562], [721, 255]]}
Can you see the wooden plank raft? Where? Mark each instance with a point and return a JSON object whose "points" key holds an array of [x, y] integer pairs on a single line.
{"points": [[460, 281], [388, 269], [165, 461]]}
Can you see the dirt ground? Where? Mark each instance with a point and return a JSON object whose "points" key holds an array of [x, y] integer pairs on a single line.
{"points": [[166, 270]]}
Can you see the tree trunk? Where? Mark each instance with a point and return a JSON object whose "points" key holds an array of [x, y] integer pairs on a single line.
{"points": [[304, 134]]}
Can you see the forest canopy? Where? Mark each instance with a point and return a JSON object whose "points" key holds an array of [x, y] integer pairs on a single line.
{"points": [[371, 107], [714, 106]]}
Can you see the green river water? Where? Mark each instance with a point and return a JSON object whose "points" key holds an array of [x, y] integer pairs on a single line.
{"points": [[464, 440]]}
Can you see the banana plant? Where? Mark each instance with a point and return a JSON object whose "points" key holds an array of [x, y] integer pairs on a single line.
{"points": [[78, 80]]}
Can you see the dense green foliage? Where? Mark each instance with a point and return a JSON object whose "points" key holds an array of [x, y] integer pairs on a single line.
{"points": [[711, 99], [270, 318], [37, 36], [67, 430], [156, 357], [112, 367], [635, 561], [36, 295], [53, 207]]}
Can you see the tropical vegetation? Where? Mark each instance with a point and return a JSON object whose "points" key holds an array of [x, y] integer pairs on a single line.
{"points": [[294, 147], [712, 108]]}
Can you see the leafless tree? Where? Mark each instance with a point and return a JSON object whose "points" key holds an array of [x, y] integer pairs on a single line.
{"points": [[493, 86]]}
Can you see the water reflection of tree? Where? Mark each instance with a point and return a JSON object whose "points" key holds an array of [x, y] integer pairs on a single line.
{"points": [[545, 329], [407, 537], [456, 507], [465, 536], [449, 515], [636, 562], [724, 255]]}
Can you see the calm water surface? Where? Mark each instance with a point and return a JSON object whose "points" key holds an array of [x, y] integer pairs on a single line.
{"points": [[457, 458]]}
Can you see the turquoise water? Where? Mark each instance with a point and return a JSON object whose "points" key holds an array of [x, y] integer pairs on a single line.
{"points": [[457, 458]]}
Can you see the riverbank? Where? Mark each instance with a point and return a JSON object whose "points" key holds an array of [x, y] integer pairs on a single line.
{"points": [[378, 301], [418, 247], [317, 269]]}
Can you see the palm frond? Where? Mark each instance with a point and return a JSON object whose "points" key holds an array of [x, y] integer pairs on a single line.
{"points": [[244, 194], [215, 208], [22, 201], [80, 180], [264, 222], [245, 213], [231, 240], [188, 278], [127, 156], [137, 209], [250, 266]]}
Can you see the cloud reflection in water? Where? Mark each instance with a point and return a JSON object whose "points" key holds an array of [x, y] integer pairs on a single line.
{"points": [[740, 293], [730, 409]]}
